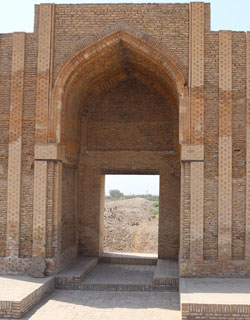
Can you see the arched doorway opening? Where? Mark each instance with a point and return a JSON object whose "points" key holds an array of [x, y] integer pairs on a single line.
{"points": [[117, 110]]}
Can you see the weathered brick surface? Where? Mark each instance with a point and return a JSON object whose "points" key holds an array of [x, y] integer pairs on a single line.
{"points": [[130, 88]]}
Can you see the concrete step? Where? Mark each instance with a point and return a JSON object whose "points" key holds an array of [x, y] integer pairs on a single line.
{"points": [[19, 294], [76, 272], [128, 258], [166, 273]]}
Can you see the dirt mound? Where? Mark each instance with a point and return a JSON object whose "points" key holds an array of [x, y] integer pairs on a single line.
{"points": [[130, 226]]}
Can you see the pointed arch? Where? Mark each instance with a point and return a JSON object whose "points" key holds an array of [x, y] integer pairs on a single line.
{"points": [[146, 46]]}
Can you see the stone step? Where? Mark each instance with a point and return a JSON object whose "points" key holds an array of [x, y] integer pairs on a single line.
{"points": [[128, 258], [19, 294], [166, 273], [75, 273], [120, 277]]}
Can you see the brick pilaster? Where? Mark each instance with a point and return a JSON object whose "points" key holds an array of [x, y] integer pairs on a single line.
{"points": [[196, 84], [225, 146], [44, 69], [15, 145]]}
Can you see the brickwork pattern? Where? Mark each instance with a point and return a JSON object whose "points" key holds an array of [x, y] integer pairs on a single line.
{"points": [[15, 145], [225, 146], [50, 210], [196, 79], [96, 162], [43, 71], [68, 208], [28, 146], [196, 208], [196, 72], [185, 211], [238, 144], [79, 70], [211, 115], [40, 207]]}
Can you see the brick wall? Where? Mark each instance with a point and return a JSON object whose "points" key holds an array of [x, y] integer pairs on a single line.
{"points": [[125, 123], [68, 208], [126, 106], [94, 164]]}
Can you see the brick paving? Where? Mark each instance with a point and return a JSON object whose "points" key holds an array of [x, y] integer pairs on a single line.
{"points": [[93, 305]]}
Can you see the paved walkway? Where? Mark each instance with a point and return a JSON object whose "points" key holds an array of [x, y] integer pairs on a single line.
{"points": [[96, 305]]}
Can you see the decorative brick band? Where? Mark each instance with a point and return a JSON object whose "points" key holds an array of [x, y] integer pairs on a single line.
{"points": [[225, 146], [15, 145]]}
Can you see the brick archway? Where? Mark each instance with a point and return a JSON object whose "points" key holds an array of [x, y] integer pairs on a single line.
{"points": [[154, 66], [154, 51]]}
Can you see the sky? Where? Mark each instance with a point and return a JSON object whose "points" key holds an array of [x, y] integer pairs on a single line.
{"points": [[18, 15], [133, 184]]}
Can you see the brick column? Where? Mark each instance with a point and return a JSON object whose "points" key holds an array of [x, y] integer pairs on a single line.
{"points": [[15, 145], [247, 246], [194, 153], [225, 146], [44, 70]]}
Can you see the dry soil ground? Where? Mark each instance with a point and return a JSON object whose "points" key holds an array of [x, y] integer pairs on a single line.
{"points": [[129, 226]]}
